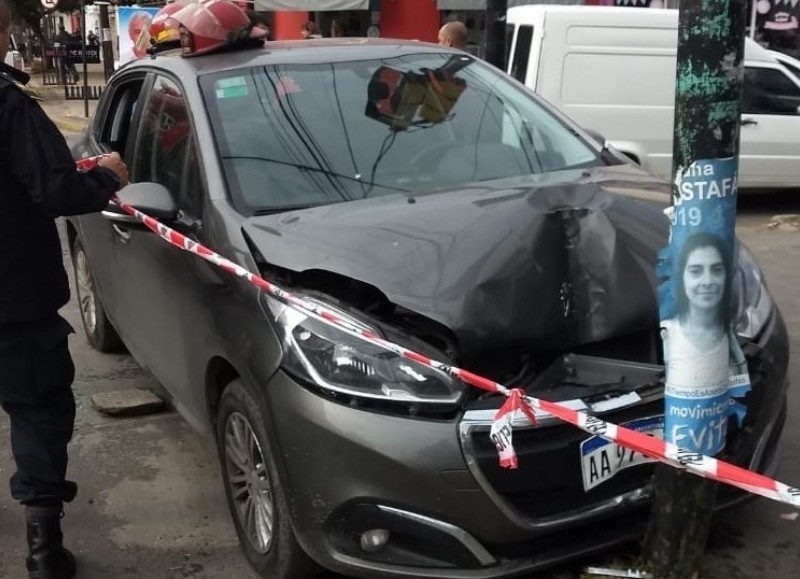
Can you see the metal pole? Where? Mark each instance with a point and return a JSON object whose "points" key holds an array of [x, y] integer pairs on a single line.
{"points": [[753, 18], [496, 32], [694, 306], [105, 38], [83, 54]]}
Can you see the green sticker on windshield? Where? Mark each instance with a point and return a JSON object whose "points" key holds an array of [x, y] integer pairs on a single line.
{"points": [[234, 87]]}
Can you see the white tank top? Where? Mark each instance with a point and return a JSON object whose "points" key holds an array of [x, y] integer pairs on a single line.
{"points": [[690, 371]]}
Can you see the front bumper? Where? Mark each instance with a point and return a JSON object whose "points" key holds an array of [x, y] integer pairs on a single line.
{"points": [[449, 509]]}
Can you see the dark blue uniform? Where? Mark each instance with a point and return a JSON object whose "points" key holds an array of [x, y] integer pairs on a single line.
{"points": [[38, 182]]}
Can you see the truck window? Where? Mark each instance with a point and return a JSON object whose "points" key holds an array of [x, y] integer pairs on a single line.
{"points": [[522, 53], [769, 91]]}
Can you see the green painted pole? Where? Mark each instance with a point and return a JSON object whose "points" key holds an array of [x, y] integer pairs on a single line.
{"points": [[695, 323]]}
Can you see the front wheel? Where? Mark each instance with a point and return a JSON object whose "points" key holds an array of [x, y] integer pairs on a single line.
{"points": [[255, 498]]}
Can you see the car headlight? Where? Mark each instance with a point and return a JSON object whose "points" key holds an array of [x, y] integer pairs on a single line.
{"points": [[340, 362], [753, 304]]}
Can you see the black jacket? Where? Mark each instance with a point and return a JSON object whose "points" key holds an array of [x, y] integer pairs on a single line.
{"points": [[38, 182]]}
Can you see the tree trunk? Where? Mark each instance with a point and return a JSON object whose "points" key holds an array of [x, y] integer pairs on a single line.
{"points": [[678, 531], [705, 158]]}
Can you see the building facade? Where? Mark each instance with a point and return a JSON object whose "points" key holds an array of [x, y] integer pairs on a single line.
{"points": [[410, 19]]}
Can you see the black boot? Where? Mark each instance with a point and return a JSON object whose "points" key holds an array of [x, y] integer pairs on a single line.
{"points": [[47, 557]]}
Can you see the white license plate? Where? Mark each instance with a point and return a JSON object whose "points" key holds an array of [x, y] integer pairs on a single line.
{"points": [[601, 460]]}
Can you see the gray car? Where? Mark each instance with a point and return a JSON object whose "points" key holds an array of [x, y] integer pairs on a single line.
{"points": [[423, 194]]}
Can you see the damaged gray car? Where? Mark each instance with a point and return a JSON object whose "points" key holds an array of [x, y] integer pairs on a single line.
{"points": [[425, 195]]}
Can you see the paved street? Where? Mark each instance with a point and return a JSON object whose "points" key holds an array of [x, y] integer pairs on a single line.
{"points": [[151, 503]]}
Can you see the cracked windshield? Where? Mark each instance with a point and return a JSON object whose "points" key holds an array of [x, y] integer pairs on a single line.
{"points": [[297, 136]]}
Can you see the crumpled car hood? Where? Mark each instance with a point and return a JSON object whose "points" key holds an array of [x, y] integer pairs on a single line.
{"points": [[549, 262]]}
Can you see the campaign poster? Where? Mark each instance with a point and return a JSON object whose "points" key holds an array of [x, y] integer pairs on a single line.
{"points": [[133, 31], [706, 368]]}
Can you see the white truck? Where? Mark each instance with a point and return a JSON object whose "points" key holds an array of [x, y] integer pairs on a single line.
{"points": [[612, 70]]}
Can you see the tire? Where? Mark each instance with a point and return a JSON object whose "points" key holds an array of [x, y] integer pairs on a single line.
{"points": [[98, 329], [244, 449]]}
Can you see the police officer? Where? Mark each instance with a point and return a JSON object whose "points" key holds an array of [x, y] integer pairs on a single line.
{"points": [[39, 182]]}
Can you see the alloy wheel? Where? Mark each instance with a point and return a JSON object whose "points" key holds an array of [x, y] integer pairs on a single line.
{"points": [[86, 291], [248, 481]]}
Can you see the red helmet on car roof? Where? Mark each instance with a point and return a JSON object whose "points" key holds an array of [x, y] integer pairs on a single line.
{"points": [[212, 24], [163, 28]]}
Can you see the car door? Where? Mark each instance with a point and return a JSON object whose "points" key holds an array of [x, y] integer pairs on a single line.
{"points": [[160, 285], [110, 132], [770, 146]]}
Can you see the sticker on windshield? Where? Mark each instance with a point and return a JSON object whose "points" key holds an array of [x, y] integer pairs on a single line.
{"points": [[234, 87]]}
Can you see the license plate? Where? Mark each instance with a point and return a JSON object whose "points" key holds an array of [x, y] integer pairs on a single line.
{"points": [[601, 460]]}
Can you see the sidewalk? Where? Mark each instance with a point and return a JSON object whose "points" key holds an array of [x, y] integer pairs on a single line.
{"points": [[68, 115]]}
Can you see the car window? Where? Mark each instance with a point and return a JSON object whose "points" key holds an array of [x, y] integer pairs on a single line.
{"points": [[769, 91], [166, 149], [313, 134], [113, 131], [522, 53]]}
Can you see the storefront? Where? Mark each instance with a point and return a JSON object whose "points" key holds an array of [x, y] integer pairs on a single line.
{"points": [[411, 19], [332, 17], [635, 3]]}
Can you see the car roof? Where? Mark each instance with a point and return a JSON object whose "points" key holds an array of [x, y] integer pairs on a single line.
{"points": [[290, 52]]}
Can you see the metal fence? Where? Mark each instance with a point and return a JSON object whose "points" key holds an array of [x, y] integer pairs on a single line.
{"points": [[59, 68]]}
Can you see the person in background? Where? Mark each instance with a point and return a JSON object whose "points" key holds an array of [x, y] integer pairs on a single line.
{"points": [[454, 34], [40, 182], [338, 29], [67, 67], [309, 30]]}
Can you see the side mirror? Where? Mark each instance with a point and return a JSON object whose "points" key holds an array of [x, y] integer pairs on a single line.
{"points": [[150, 198], [596, 136]]}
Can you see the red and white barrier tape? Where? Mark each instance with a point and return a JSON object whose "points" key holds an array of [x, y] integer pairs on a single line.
{"points": [[501, 432]]}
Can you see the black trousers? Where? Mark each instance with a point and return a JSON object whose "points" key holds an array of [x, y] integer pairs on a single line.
{"points": [[36, 374]]}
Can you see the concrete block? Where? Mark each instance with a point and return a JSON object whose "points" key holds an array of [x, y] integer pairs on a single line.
{"points": [[129, 402]]}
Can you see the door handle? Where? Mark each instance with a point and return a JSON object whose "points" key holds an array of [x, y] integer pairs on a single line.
{"points": [[746, 122], [119, 217], [121, 233]]}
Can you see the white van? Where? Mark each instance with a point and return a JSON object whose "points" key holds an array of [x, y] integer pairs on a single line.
{"points": [[612, 70]]}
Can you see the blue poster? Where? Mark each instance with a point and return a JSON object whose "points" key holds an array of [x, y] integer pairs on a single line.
{"points": [[706, 369]]}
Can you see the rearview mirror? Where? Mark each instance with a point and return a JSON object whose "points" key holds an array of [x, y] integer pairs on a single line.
{"points": [[152, 199]]}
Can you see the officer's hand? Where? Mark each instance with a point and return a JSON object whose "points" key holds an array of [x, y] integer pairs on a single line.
{"points": [[116, 164]]}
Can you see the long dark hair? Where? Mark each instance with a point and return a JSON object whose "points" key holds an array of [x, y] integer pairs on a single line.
{"points": [[696, 241]]}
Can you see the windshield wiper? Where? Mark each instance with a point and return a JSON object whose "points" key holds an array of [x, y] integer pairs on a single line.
{"points": [[302, 167], [284, 209]]}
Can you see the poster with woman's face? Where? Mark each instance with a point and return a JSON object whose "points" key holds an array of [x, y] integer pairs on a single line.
{"points": [[704, 363], [133, 31]]}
